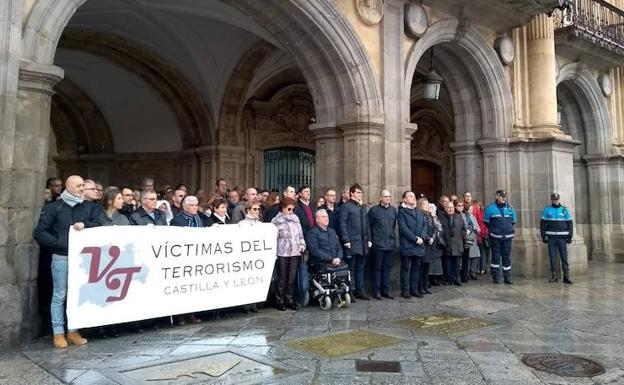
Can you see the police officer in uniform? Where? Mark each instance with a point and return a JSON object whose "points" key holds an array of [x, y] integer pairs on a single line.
{"points": [[500, 218], [556, 230]]}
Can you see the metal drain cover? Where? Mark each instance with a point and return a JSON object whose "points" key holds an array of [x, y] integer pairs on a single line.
{"points": [[564, 365], [378, 366]]}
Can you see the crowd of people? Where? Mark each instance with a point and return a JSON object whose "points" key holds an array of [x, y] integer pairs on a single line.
{"points": [[448, 242]]}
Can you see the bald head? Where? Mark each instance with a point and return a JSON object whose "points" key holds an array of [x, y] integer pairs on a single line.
{"points": [[385, 197], [75, 185]]}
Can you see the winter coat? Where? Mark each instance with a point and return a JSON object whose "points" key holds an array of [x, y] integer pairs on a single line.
{"points": [[478, 214], [271, 213], [433, 232], [184, 219], [118, 219], [333, 215], [300, 211], [412, 225], [52, 230], [239, 212], [353, 228], [214, 220], [140, 217], [453, 235], [323, 245], [382, 221], [290, 240]]}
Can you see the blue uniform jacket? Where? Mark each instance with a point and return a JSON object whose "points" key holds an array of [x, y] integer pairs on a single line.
{"points": [[412, 224], [556, 222], [500, 220], [323, 245]]}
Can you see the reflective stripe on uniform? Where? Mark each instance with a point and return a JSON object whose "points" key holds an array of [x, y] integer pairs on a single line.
{"points": [[496, 236], [494, 266], [555, 219], [557, 232], [506, 268]]}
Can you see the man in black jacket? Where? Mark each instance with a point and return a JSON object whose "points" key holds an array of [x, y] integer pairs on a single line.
{"points": [[382, 220], [354, 235], [147, 213], [305, 210], [52, 232]]}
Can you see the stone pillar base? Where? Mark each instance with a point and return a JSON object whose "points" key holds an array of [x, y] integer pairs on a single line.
{"points": [[529, 256]]}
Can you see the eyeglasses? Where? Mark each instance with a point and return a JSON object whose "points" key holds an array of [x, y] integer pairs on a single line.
{"points": [[289, 209], [150, 199], [255, 209]]}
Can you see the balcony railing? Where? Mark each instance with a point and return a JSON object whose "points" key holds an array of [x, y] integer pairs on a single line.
{"points": [[593, 20]]}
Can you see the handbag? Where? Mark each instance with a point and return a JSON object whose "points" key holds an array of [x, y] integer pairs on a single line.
{"points": [[470, 239]]}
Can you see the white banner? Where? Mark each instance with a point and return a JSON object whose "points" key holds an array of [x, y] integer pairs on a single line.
{"points": [[127, 273]]}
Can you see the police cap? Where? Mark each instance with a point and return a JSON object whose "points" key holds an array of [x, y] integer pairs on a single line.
{"points": [[554, 197], [501, 193]]}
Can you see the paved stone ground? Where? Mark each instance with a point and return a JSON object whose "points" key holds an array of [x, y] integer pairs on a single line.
{"points": [[532, 316]]}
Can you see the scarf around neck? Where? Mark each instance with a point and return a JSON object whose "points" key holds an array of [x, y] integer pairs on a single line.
{"points": [[70, 199]]}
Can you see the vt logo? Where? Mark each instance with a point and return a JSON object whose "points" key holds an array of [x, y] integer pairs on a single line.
{"points": [[114, 277]]}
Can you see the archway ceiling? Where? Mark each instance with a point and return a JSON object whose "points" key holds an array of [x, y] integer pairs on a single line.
{"points": [[204, 39]]}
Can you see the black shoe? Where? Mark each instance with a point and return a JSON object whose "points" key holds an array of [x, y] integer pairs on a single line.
{"points": [[457, 283], [352, 297], [415, 294], [280, 307], [553, 279], [428, 292], [253, 308], [496, 281], [377, 297], [567, 280], [389, 296], [294, 306], [508, 281], [473, 276], [435, 283], [406, 295], [464, 280]]}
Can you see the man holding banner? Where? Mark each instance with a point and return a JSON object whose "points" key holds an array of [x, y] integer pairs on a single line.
{"points": [[52, 231]]}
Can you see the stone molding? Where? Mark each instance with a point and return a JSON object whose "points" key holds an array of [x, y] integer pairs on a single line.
{"points": [[583, 86], [39, 78]]}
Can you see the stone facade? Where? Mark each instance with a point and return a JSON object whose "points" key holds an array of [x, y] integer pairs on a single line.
{"points": [[317, 75]]}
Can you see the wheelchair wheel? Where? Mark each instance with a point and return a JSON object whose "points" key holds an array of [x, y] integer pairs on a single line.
{"points": [[306, 299], [347, 299], [325, 303]]}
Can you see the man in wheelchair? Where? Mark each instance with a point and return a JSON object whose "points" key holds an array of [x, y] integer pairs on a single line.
{"points": [[329, 275]]}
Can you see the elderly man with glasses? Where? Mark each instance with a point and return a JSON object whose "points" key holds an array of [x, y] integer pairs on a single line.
{"points": [[147, 213]]}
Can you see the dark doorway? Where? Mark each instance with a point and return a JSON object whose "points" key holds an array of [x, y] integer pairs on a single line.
{"points": [[426, 178], [288, 166]]}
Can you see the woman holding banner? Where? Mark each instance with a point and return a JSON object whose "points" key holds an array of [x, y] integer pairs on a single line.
{"points": [[252, 216], [290, 246]]}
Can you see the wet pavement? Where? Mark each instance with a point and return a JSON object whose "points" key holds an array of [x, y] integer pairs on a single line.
{"points": [[474, 334]]}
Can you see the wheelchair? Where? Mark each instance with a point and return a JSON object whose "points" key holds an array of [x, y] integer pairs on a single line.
{"points": [[329, 285]]}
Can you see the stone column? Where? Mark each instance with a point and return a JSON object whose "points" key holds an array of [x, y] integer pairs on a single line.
{"points": [[542, 68], [329, 158], [25, 182], [221, 161], [606, 176], [469, 169], [363, 156], [396, 170], [539, 168]]}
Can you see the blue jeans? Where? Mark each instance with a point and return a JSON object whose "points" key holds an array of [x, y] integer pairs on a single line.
{"points": [[382, 264], [59, 293], [410, 273], [357, 263]]}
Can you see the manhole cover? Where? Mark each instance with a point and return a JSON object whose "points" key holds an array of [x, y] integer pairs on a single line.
{"points": [[341, 344], [563, 365], [445, 323], [378, 366]]}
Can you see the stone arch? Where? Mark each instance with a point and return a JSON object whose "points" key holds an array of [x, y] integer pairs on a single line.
{"points": [[481, 69], [189, 107], [234, 97], [322, 42], [78, 121], [580, 83]]}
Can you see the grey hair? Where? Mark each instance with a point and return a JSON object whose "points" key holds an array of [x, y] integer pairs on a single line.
{"points": [[320, 212], [189, 199]]}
